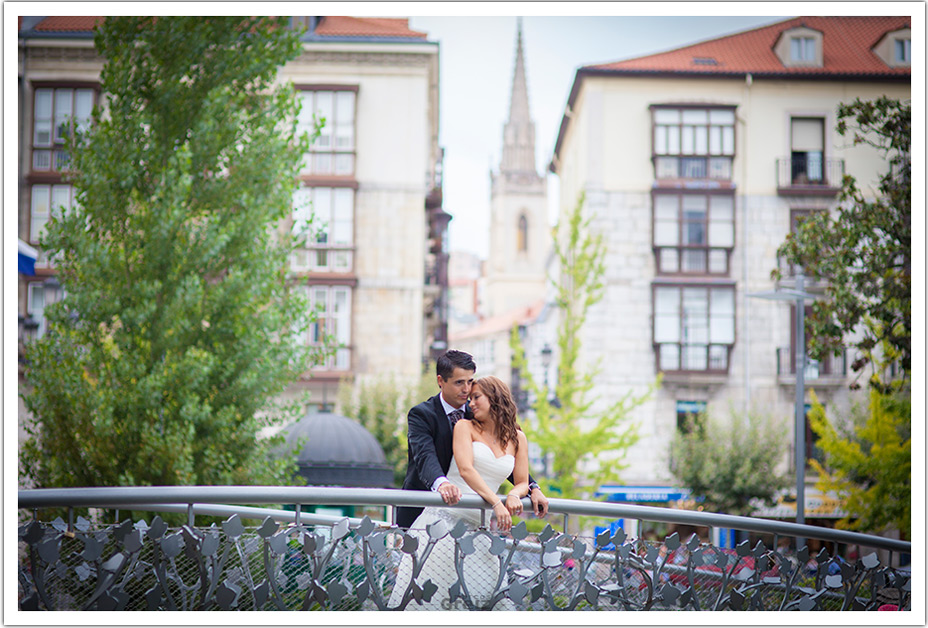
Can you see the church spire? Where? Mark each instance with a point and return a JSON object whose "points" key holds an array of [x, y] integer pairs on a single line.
{"points": [[519, 132]]}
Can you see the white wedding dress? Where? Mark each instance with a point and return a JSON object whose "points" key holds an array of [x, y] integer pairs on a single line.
{"points": [[481, 569]]}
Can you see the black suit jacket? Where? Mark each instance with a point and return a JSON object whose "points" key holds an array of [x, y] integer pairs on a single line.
{"points": [[430, 451], [430, 438]]}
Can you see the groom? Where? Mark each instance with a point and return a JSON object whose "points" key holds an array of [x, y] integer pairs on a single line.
{"points": [[429, 435]]}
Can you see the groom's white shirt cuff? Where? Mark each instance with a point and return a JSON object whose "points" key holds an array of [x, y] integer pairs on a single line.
{"points": [[448, 408]]}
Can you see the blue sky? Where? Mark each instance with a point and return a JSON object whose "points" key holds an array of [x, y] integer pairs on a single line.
{"points": [[477, 61]]}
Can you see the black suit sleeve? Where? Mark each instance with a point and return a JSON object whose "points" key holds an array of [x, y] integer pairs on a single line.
{"points": [[421, 437]]}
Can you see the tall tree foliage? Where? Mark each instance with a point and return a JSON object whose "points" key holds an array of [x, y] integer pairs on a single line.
{"points": [[179, 326], [864, 250], [587, 445], [731, 464], [870, 464], [864, 253]]}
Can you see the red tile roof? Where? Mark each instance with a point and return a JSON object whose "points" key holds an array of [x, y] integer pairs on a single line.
{"points": [[332, 26], [341, 25], [64, 24], [847, 51]]}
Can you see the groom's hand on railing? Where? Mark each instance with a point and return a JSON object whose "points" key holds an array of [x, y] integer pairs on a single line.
{"points": [[450, 493], [539, 502]]}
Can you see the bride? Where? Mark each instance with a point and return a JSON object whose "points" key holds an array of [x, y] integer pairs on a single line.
{"points": [[487, 449]]}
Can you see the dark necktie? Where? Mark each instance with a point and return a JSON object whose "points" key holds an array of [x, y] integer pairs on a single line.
{"points": [[454, 416]]}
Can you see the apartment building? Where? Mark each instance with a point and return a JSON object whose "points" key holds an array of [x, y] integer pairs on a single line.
{"points": [[378, 268], [696, 164]]}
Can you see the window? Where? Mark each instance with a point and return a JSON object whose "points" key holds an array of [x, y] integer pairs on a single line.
{"points": [[693, 143], [47, 200], [807, 139], [802, 49], [333, 152], [329, 238], [332, 305], [522, 236], [694, 327], [903, 51], [693, 233], [57, 113], [35, 306], [689, 416]]}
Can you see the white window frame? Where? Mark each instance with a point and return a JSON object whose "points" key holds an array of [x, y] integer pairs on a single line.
{"points": [[329, 238], [802, 49], [333, 307], [68, 108], [676, 256], [33, 308], [40, 213], [334, 153], [703, 345], [906, 45], [693, 143]]}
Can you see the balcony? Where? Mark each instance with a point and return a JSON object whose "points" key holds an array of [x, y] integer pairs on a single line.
{"points": [[275, 559], [830, 372], [809, 175]]}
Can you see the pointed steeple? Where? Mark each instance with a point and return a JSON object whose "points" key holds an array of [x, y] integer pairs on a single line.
{"points": [[519, 132]]}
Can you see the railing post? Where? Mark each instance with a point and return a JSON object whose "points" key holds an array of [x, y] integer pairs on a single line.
{"points": [[70, 519], [190, 515], [483, 517], [296, 518]]}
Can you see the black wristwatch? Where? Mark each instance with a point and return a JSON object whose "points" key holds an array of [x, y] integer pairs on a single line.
{"points": [[532, 486]]}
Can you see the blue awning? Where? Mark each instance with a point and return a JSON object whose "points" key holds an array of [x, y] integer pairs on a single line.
{"points": [[27, 257]]}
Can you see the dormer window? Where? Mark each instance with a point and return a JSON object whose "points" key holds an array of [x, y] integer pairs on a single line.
{"points": [[895, 48], [800, 47]]}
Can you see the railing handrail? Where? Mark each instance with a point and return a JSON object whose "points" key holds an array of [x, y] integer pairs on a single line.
{"points": [[127, 497]]}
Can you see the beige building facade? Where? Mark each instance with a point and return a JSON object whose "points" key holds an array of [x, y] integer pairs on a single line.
{"points": [[377, 270]]}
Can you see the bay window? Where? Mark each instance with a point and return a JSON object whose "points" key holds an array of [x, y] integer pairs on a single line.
{"points": [[332, 305], [691, 143], [328, 239], [333, 152], [57, 113], [694, 327], [48, 200], [693, 233]]}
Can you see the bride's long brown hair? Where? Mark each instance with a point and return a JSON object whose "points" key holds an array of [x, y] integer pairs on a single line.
{"points": [[502, 407]]}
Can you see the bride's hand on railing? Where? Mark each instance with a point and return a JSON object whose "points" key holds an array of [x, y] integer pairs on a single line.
{"points": [[503, 518], [513, 504]]}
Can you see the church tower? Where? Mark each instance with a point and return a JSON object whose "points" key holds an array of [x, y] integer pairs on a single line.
{"points": [[520, 238]]}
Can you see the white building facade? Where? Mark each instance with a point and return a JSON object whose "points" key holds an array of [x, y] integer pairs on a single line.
{"points": [[696, 164]]}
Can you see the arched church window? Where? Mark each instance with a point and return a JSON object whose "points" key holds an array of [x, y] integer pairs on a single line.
{"points": [[522, 237]]}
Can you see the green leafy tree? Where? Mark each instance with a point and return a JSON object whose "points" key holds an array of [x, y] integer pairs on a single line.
{"points": [[729, 464], [179, 326], [864, 250], [869, 463], [587, 445], [381, 406]]}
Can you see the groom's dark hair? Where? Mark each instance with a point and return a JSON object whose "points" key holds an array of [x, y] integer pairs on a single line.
{"points": [[453, 359]]}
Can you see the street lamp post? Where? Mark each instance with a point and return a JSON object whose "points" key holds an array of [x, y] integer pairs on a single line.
{"points": [[799, 296], [546, 355]]}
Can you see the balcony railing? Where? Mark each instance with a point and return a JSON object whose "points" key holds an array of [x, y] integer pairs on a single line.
{"points": [[299, 561], [809, 175], [831, 366]]}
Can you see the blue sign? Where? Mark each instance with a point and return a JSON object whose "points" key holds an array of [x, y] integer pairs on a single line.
{"points": [[643, 493]]}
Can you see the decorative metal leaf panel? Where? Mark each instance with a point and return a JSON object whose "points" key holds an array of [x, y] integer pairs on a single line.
{"points": [[137, 566]]}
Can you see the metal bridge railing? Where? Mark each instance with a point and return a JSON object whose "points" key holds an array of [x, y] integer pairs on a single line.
{"points": [[298, 560]]}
